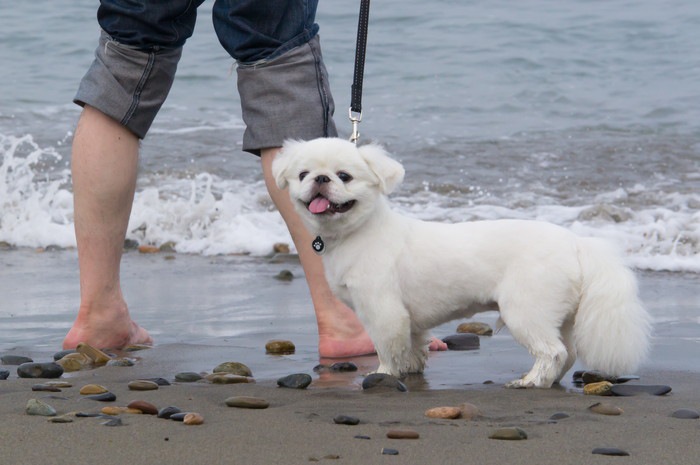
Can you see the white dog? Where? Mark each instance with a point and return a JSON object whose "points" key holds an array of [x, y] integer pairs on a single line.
{"points": [[557, 293]]}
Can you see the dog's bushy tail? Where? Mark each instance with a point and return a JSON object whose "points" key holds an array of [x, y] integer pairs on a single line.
{"points": [[612, 329]]}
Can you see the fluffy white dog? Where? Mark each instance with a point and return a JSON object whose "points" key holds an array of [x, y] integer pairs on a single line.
{"points": [[558, 294]]}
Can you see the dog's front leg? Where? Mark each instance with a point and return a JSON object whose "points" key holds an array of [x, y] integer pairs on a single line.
{"points": [[388, 324]]}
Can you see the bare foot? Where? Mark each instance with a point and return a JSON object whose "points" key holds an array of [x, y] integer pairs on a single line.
{"points": [[114, 332]]}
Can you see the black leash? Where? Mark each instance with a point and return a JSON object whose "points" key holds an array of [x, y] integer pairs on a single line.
{"points": [[355, 112]]}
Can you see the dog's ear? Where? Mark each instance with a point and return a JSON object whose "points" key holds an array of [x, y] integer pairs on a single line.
{"points": [[282, 162], [389, 171]]}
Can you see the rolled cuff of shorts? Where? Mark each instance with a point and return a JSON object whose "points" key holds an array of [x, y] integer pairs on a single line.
{"points": [[287, 97], [128, 84]]}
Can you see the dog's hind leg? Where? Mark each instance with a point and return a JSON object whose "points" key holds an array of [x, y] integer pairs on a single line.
{"points": [[419, 351], [567, 337], [539, 333]]}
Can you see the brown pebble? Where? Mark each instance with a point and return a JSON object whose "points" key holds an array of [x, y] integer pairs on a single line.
{"points": [[474, 327], [278, 346], [402, 434], [605, 409], [448, 413], [59, 384], [469, 411], [120, 410], [75, 362], [142, 385], [247, 402], [193, 419], [148, 249], [602, 388], [145, 407], [280, 247], [90, 389], [96, 355]]}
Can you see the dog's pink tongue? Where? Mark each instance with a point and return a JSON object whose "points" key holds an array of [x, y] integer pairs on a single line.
{"points": [[319, 205]]}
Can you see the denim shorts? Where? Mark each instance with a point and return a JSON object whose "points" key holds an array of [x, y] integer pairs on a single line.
{"points": [[282, 81]]}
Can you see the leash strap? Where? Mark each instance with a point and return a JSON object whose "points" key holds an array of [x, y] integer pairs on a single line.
{"points": [[355, 112]]}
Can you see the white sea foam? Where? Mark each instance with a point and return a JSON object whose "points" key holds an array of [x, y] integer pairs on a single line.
{"points": [[205, 214]]}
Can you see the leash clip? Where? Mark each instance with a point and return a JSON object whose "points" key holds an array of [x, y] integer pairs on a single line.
{"points": [[355, 119]]}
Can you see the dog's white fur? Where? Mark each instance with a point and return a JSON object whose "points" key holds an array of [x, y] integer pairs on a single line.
{"points": [[558, 294]]}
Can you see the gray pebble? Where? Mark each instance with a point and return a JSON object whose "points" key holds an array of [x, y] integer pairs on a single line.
{"points": [[115, 421], [388, 451], [4, 374], [188, 377], [346, 420], [15, 359], [610, 451], [104, 397], [167, 412], [462, 341], [511, 434], [295, 381], [236, 368], [637, 389], [40, 370], [376, 380], [59, 355], [686, 414], [37, 407]]}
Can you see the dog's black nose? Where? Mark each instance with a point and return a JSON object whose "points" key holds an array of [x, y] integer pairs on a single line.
{"points": [[322, 178]]}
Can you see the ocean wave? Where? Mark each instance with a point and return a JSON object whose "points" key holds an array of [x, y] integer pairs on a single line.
{"points": [[209, 215]]}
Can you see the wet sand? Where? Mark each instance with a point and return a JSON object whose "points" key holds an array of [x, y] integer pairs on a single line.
{"points": [[204, 311]]}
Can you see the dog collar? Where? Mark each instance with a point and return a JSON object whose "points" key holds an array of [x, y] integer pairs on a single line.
{"points": [[318, 245]]}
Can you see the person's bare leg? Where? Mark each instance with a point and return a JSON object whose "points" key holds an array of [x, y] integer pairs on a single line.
{"points": [[104, 166], [340, 333]]}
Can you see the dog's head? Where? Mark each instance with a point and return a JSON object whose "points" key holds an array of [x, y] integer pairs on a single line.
{"points": [[334, 184]]}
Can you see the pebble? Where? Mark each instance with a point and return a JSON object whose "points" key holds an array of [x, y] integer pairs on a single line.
{"points": [[462, 341], [605, 409], [193, 419], [15, 359], [384, 380], [37, 407], [148, 249], [45, 387], [475, 327], [637, 389], [104, 397], [168, 247], [120, 362], [167, 412], [686, 414], [4, 374], [602, 388], [90, 389], [61, 419], [178, 416], [227, 378], [511, 434], [388, 451], [346, 420], [402, 434], [295, 381], [113, 422], [59, 384], [59, 355], [235, 368], [40, 370], [75, 362], [130, 244], [280, 247], [284, 275], [361, 436], [559, 416], [279, 347], [610, 451], [588, 377], [96, 355], [142, 385], [136, 347], [448, 413], [158, 381], [120, 410], [145, 407], [247, 402], [188, 377], [469, 411], [343, 367]]}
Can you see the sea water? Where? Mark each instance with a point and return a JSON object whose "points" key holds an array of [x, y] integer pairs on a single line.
{"points": [[585, 114]]}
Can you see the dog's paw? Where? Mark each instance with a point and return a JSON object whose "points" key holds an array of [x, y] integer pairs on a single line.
{"points": [[518, 384]]}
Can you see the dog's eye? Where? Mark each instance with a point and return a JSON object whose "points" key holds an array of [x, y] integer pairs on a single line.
{"points": [[302, 175], [345, 177]]}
